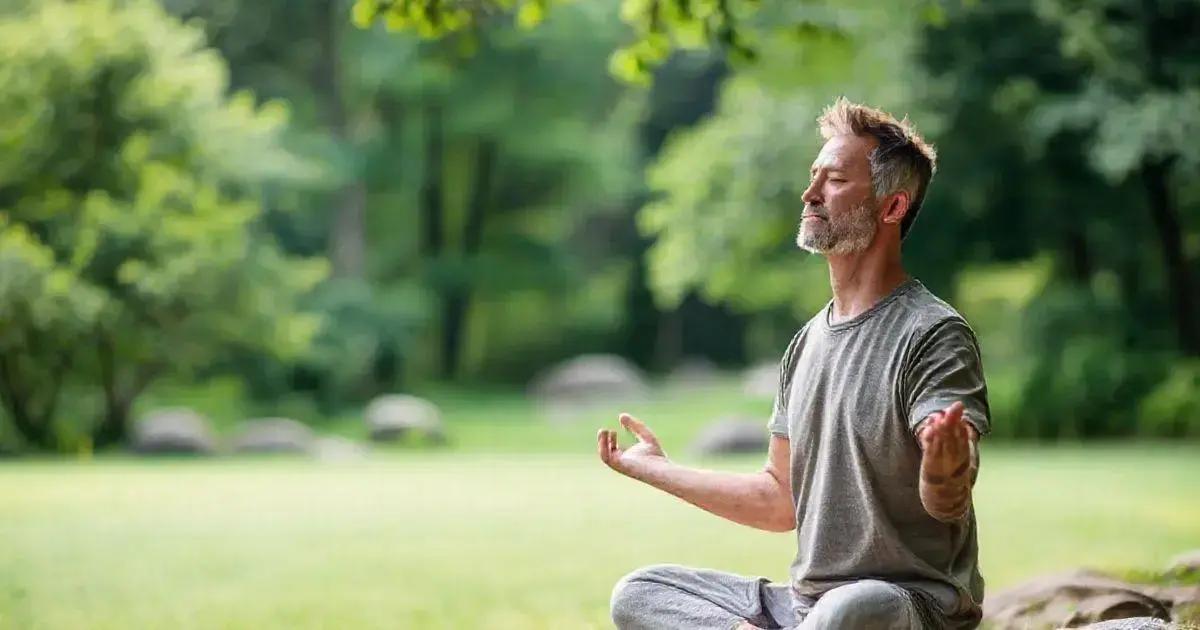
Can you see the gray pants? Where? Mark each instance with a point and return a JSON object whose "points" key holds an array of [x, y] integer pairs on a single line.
{"points": [[670, 597]]}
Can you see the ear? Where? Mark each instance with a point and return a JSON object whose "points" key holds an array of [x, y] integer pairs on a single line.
{"points": [[895, 207]]}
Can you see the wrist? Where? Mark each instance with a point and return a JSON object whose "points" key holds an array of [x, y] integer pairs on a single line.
{"points": [[648, 468]]}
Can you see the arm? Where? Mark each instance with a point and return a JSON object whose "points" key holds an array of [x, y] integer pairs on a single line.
{"points": [[949, 463], [762, 499]]}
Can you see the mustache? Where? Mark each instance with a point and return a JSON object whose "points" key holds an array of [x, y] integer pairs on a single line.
{"points": [[818, 211]]}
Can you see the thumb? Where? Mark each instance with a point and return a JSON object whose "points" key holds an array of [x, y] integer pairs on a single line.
{"points": [[638, 428]]}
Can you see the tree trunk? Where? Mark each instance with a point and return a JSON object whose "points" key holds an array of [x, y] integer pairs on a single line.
{"points": [[431, 200], [33, 427], [347, 238], [113, 427], [33, 418], [1155, 177], [458, 298], [1079, 257], [119, 393]]}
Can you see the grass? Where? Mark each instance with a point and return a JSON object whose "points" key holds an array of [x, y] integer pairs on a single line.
{"points": [[497, 541], [516, 526]]}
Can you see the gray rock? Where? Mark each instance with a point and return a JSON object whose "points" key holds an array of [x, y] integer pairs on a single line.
{"points": [[694, 372], [394, 416], [732, 435], [273, 435], [173, 431], [589, 377], [762, 380], [1133, 623], [1073, 600], [1187, 562], [332, 448]]}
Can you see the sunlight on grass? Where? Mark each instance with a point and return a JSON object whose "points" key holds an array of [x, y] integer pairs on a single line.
{"points": [[496, 541]]}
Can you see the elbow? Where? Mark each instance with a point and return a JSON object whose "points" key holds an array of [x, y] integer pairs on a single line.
{"points": [[782, 526], [783, 521]]}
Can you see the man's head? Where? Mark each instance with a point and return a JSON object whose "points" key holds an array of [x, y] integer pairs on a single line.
{"points": [[870, 176]]}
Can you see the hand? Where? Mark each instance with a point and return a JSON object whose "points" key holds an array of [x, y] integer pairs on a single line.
{"points": [[946, 444], [633, 460]]}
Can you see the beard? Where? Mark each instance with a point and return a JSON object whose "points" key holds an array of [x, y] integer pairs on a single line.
{"points": [[848, 233]]}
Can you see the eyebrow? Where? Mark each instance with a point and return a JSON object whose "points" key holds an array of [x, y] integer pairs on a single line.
{"points": [[829, 166]]}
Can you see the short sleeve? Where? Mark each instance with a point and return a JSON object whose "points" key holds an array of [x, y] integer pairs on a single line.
{"points": [[946, 367], [778, 424]]}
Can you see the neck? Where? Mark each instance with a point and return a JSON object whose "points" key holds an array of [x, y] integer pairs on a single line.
{"points": [[862, 279]]}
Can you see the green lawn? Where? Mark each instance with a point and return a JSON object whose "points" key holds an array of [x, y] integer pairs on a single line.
{"points": [[465, 539]]}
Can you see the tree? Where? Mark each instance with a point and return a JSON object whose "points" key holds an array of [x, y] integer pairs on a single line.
{"points": [[129, 185], [1139, 111], [726, 195], [742, 29]]}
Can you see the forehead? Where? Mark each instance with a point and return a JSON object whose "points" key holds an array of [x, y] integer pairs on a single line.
{"points": [[846, 152]]}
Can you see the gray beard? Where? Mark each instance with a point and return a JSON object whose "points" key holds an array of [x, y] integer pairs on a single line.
{"points": [[850, 235]]}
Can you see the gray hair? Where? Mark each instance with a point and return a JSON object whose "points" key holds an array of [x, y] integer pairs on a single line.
{"points": [[902, 161]]}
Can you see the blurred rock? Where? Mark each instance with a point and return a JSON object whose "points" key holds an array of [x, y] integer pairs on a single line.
{"points": [[1187, 562], [331, 448], [391, 417], [1134, 623], [694, 372], [273, 435], [173, 431], [762, 380], [732, 435], [1079, 598], [589, 377]]}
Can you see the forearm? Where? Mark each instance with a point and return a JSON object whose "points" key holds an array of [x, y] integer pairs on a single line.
{"points": [[948, 497], [758, 499]]}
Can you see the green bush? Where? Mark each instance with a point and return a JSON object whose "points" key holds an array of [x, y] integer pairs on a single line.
{"points": [[1172, 409]]}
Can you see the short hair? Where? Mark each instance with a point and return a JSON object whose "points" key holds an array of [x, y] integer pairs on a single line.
{"points": [[901, 161]]}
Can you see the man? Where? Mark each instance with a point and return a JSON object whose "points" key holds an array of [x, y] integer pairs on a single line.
{"points": [[872, 456]]}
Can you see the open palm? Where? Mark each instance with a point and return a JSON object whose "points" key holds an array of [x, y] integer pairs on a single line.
{"points": [[631, 460]]}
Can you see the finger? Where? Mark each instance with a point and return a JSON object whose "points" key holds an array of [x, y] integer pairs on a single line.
{"points": [[954, 412], [638, 428], [937, 441], [602, 444]]}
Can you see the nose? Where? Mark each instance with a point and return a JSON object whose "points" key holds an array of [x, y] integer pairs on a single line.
{"points": [[811, 195]]}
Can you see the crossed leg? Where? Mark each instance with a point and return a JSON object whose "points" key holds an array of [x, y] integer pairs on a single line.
{"points": [[668, 597]]}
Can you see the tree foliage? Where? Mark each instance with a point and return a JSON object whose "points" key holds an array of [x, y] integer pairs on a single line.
{"points": [[129, 212]]}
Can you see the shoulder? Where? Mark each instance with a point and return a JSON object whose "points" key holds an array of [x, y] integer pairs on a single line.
{"points": [[794, 346], [929, 316], [931, 320]]}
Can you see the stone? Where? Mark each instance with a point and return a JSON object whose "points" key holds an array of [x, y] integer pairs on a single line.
{"points": [[331, 448], [176, 431], [1076, 599], [392, 417], [762, 380], [732, 435], [273, 435], [1187, 562], [694, 372], [1133, 623], [589, 377]]}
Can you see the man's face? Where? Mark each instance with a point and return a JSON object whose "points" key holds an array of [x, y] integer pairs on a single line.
{"points": [[840, 211]]}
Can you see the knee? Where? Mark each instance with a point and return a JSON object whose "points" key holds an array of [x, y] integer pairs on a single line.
{"points": [[635, 591], [869, 604]]}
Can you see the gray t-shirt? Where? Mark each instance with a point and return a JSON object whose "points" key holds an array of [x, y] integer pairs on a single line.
{"points": [[851, 395]]}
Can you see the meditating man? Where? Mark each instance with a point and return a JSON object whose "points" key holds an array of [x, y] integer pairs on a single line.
{"points": [[872, 453]]}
